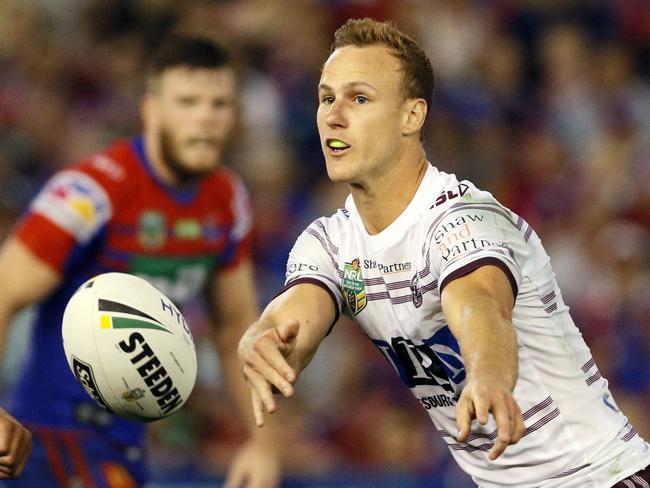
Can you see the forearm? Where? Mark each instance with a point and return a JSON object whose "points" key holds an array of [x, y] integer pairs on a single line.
{"points": [[478, 308], [488, 342], [5, 319]]}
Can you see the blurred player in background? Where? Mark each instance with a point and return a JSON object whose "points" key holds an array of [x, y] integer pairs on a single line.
{"points": [[453, 288], [160, 206]]}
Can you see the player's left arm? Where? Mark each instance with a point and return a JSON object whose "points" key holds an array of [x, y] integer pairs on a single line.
{"points": [[234, 301], [478, 308]]}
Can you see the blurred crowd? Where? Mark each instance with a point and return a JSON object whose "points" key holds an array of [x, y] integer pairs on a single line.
{"points": [[545, 103]]}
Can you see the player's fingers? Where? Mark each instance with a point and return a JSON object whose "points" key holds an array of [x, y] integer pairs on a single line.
{"points": [[262, 387], [481, 408], [270, 363], [288, 331], [23, 453], [504, 417], [258, 409], [7, 428], [520, 427], [498, 448], [272, 368], [464, 416], [274, 352]]}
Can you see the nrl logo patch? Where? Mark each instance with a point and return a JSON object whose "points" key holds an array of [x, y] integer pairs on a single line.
{"points": [[354, 289], [152, 229]]}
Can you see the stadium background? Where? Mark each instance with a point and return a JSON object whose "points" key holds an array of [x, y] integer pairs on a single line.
{"points": [[545, 103]]}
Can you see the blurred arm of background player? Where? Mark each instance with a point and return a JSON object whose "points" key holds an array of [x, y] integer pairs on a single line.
{"points": [[258, 462], [478, 309], [281, 343], [26, 280]]}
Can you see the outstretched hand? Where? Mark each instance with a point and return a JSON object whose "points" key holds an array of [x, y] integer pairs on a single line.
{"points": [[15, 446], [256, 465], [264, 363], [477, 400]]}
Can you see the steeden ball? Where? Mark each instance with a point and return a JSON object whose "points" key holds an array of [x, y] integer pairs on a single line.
{"points": [[129, 347]]}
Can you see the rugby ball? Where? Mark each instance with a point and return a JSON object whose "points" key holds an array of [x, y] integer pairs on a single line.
{"points": [[129, 347]]}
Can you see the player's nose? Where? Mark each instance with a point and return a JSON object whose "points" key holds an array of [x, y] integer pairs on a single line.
{"points": [[336, 115]]}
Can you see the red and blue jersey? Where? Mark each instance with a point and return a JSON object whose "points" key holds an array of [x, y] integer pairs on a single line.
{"points": [[112, 213]]}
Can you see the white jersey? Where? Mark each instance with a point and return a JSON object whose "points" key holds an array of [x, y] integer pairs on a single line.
{"points": [[390, 283]]}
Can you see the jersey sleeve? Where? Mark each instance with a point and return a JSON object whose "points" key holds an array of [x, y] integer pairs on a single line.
{"points": [[240, 236], [70, 210], [312, 260], [475, 232]]}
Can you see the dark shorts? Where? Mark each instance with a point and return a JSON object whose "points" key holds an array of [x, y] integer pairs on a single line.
{"points": [[640, 479], [62, 458]]}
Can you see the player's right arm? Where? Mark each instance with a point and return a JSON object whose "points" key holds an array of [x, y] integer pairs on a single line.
{"points": [[27, 280], [68, 210], [276, 348]]}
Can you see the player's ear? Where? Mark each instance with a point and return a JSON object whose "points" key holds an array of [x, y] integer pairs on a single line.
{"points": [[415, 112]]}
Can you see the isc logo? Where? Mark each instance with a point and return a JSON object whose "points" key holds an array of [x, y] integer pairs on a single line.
{"points": [[85, 376]]}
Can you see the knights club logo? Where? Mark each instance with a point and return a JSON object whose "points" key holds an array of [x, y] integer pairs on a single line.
{"points": [[354, 288]]}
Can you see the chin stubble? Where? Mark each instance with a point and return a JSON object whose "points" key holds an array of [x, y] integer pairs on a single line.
{"points": [[182, 174]]}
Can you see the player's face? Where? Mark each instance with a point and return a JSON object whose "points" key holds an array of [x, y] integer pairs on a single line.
{"points": [[195, 112], [360, 113]]}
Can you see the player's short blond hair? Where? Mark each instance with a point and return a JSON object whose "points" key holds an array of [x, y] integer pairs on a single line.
{"points": [[418, 79]]}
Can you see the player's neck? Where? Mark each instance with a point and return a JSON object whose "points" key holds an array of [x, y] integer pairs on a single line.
{"points": [[381, 201]]}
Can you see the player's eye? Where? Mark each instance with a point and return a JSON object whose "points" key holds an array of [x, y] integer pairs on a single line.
{"points": [[220, 103], [186, 101], [327, 100], [360, 100]]}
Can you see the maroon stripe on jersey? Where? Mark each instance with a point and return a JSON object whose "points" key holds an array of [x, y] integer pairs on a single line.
{"points": [[401, 299], [520, 222], [631, 433], [382, 295], [374, 281], [529, 231], [569, 471], [321, 239], [396, 285], [321, 226], [588, 365], [551, 308], [537, 408], [547, 298], [429, 287], [593, 378], [543, 421], [460, 447]]}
